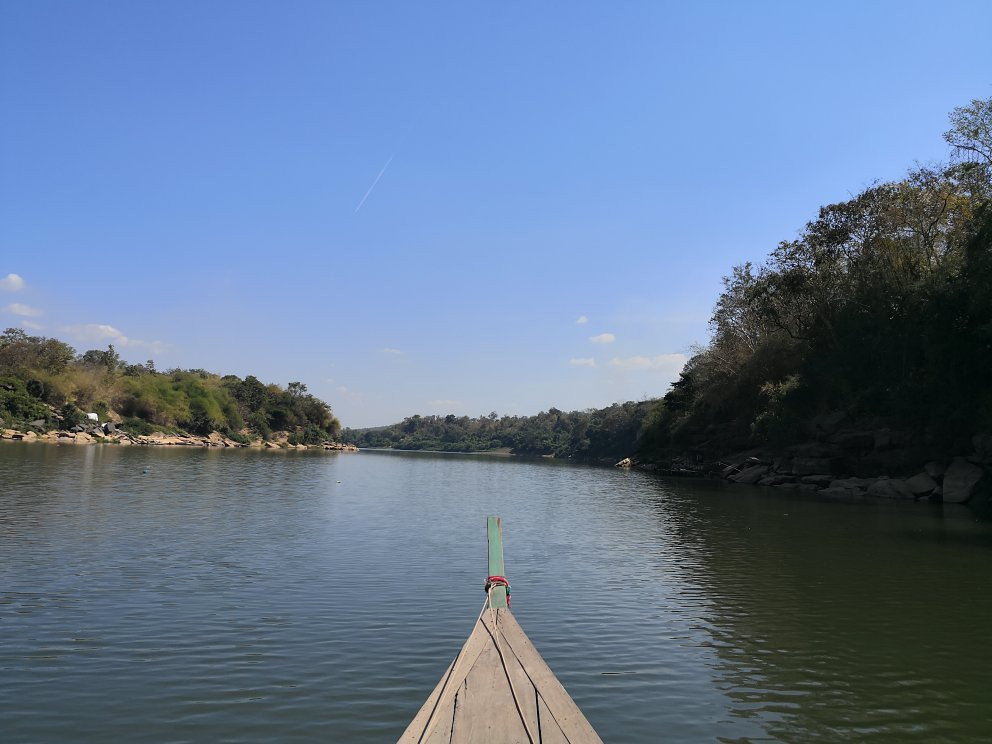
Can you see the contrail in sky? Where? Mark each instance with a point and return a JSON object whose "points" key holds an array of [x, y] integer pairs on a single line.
{"points": [[374, 183]]}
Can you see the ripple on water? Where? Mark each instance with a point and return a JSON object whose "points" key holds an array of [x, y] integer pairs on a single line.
{"points": [[200, 596]]}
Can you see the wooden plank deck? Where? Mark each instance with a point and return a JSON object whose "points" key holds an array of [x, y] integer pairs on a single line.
{"points": [[476, 703], [473, 702]]}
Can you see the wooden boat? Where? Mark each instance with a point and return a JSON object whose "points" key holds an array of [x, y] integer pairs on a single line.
{"points": [[498, 689]]}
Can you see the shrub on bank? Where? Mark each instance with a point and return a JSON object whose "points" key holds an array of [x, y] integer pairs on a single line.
{"points": [[17, 405]]}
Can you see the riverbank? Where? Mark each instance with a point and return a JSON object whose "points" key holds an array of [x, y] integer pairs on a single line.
{"points": [[852, 463], [113, 435]]}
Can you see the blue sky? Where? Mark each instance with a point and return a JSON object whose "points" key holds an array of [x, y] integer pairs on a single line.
{"points": [[183, 179]]}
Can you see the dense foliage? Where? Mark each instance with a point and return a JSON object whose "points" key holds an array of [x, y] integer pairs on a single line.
{"points": [[608, 433], [45, 379], [882, 308]]}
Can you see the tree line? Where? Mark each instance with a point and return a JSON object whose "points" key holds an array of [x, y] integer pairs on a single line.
{"points": [[44, 380], [604, 434], [881, 307]]}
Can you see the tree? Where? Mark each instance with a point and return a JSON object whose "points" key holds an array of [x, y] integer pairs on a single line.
{"points": [[971, 130], [97, 358]]}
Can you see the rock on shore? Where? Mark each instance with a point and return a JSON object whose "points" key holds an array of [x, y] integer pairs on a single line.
{"points": [[853, 464], [110, 434]]}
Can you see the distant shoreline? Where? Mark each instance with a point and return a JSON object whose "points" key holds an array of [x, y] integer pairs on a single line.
{"points": [[498, 452]]}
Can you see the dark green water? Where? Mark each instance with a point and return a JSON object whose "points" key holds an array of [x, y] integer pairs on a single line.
{"points": [[196, 596]]}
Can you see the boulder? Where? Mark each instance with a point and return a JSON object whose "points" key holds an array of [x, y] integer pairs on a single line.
{"points": [[921, 485], [807, 487], [775, 480], [821, 481], [109, 428], [82, 438], [625, 463], [811, 465], [890, 488], [934, 469], [750, 475], [730, 470], [37, 423], [847, 487], [960, 481], [29, 436], [782, 465], [861, 483]]}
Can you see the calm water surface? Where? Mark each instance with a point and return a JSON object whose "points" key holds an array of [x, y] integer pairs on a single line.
{"points": [[196, 596]]}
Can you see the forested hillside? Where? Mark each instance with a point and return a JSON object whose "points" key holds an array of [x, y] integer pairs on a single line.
{"points": [[607, 434], [881, 309], [45, 381]]}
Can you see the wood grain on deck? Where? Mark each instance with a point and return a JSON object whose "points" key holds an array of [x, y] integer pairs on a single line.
{"points": [[473, 702]]}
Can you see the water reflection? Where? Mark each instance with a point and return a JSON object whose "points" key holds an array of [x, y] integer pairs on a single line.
{"points": [[840, 622]]}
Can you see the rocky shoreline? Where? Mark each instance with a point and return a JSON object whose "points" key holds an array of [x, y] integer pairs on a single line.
{"points": [[110, 434], [854, 464]]}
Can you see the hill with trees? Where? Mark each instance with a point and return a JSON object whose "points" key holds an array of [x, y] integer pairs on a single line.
{"points": [[881, 310], [45, 383]]}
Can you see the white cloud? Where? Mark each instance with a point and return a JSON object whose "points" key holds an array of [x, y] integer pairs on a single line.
{"points": [[100, 332], [603, 338], [393, 352], [12, 283], [587, 362], [32, 325], [670, 363], [23, 310], [96, 332], [581, 320]]}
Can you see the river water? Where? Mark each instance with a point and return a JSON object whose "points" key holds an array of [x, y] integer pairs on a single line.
{"points": [[170, 595]]}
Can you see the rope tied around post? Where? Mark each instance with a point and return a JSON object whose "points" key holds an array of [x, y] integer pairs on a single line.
{"points": [[492, 581]]}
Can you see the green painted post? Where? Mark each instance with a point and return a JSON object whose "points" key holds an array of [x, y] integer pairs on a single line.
{"points": [[494, 528]]}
